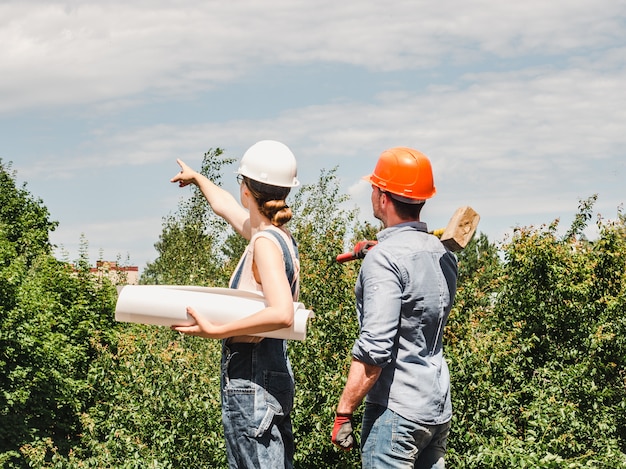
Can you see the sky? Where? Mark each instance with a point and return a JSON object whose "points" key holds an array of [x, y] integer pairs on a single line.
{"points": [[521, 106]]}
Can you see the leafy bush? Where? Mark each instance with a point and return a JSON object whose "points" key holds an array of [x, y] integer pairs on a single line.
{"points": [[50, 318], [321, 362], [536, 344], [157, 403], [537, 362]]}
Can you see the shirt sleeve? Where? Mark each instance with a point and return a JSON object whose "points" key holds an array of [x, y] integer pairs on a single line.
{"points": [[379, 301]]}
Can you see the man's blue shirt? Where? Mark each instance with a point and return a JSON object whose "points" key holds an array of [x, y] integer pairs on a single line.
{"points": [[404, 293]]}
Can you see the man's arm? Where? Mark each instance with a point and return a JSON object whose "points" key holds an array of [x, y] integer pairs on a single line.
{"points": [[361, 378], [380, 293]]}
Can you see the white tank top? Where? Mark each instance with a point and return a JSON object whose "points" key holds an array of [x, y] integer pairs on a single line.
{"points": [[243, 276]]}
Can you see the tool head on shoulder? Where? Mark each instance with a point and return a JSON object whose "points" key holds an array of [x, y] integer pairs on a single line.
{"points": [[454, 236], [460, 229]]}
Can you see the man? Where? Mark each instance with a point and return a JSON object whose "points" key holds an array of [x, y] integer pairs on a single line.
{"points": [[404, 293]]}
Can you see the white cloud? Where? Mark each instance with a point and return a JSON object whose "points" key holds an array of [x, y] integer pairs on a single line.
{"points": [[531, 124], [521, 106], [91, 52]]}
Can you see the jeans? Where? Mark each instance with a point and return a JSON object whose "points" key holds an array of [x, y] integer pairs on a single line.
{"points": [[257, 397], [389, 441]]}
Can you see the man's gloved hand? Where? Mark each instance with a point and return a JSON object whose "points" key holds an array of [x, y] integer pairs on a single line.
{"points": [[343, 436], [361, 248], [358, 252]]}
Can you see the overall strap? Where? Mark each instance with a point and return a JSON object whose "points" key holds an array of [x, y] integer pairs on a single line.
{"points": [[289, 267], [237, 277]]}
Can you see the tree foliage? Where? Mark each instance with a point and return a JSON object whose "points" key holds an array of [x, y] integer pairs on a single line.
{"points": [[536, 344], [190, 245], [537, 353], [320, 225], [50, 319], [159, 399]]}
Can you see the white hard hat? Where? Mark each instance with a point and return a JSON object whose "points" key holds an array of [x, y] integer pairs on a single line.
{"points": [[270, 162]]}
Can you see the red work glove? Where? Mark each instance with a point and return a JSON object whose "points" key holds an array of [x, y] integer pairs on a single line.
{"points": [[358, 252], [361, 248], [343, 436]]}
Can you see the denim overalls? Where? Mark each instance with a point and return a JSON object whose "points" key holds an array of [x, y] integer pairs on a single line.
{"points": [[257, 388]]}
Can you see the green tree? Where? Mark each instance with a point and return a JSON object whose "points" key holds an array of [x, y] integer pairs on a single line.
{"points": [[536, 344], [536, 357], [158, 397], [50, 316], [157, 405], [321, 363], [24, 233], [190, 245]]}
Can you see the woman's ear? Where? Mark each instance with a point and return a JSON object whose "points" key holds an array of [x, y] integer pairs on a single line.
{"points": [[244, 195]]}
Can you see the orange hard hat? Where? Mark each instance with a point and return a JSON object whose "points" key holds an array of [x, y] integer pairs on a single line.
{"points": [[405, 173]]}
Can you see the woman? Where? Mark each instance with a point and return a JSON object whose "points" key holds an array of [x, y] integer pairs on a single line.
{"points": [[256, 378]]}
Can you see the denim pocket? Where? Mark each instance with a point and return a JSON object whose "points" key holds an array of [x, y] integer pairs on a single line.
{"points": [[245, 408], [405, 441], [277, 399], [238, 406], [252, 409], [279, 390]]}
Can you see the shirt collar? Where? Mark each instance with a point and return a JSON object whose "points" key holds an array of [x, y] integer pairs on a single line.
{"points": [[409, 225]]}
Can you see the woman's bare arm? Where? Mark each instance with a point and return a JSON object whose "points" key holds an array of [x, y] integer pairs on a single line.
{"points": [[220, 200], [279, 311]]}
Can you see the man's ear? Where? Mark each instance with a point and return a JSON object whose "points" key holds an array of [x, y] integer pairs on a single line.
{"points": [[385, 197]]}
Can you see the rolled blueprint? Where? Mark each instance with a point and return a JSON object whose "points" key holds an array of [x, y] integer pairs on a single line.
{"points": [[165, 305]]}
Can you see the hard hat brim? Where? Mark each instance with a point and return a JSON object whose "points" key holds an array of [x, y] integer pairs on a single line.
{"points": [[371, 178]]}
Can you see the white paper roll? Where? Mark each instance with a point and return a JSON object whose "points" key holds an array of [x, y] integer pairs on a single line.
{"points": [[165, 305]]}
